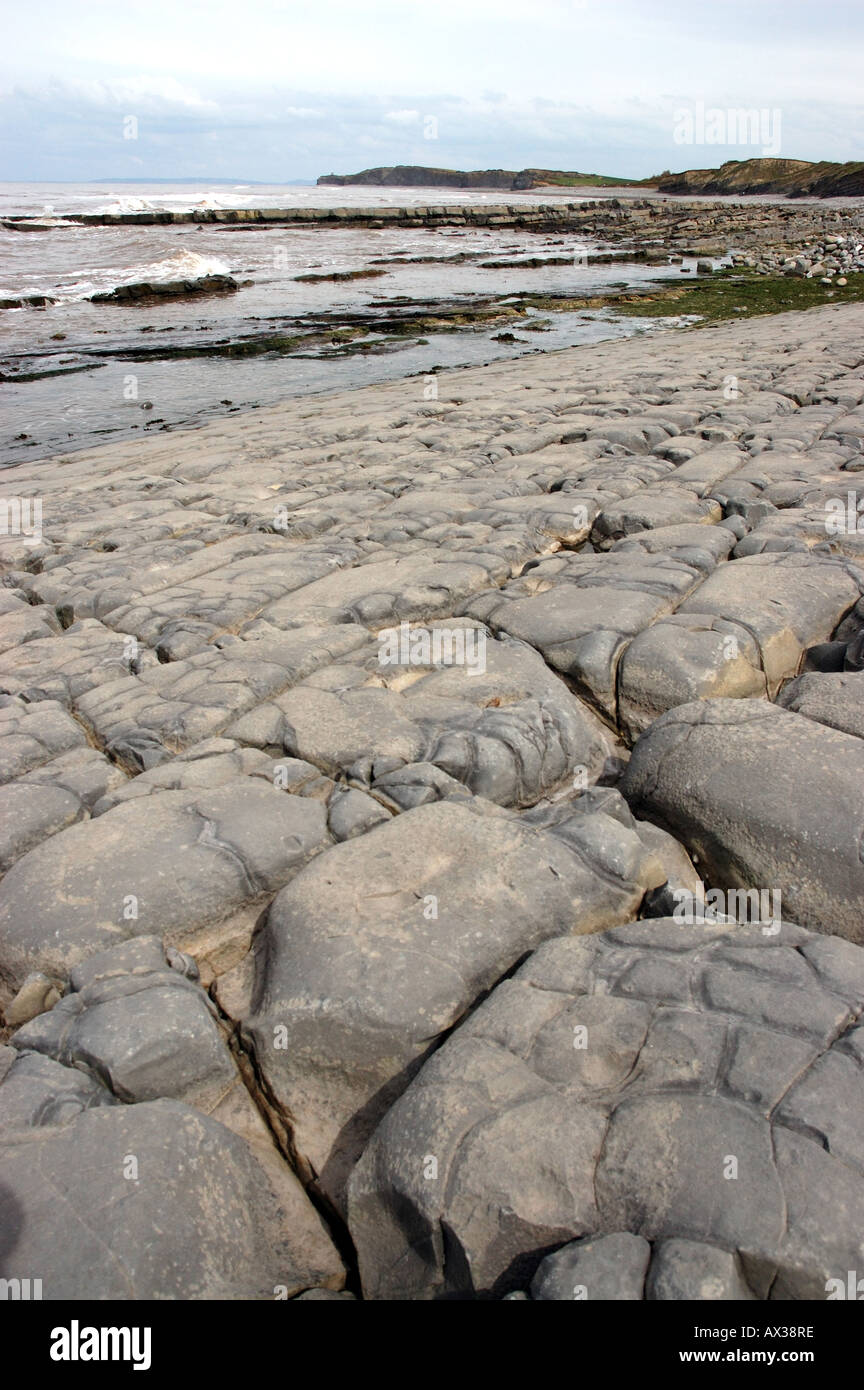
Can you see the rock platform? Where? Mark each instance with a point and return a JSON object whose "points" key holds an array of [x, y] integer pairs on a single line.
{"points": [[373, 767]]}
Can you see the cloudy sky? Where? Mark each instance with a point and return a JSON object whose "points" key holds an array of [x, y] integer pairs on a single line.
{"points": [[275, 90]]}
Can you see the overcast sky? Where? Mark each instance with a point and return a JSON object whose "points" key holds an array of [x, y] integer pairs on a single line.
{"points": [[273, 90]]}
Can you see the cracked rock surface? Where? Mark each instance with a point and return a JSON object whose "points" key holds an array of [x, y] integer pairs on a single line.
{"points": [[605, 1088], [431, 838]]}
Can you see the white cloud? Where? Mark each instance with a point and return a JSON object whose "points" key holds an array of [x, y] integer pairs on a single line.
{"points": [[589, 84]]}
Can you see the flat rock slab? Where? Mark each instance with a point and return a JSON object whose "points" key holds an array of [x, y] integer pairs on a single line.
{"points": [[582, 611], [686, 657], [410, 587], [380, 947], [763, 798], [201, 747], [144, 1201], [677, 1083], [190, 867], [654, 508], [787, 602]]}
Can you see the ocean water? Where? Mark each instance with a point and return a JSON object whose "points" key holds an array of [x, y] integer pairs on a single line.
{"points": [[74, 373]]}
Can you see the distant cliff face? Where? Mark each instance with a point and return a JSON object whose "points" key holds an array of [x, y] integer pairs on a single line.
{"points": [[416, 176], [793, 177]]}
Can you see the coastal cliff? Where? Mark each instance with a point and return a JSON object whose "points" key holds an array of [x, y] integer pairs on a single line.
{"points": [[796, 178]]}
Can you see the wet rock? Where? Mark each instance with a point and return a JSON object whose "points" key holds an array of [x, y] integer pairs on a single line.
{"points": [[146, 291]]}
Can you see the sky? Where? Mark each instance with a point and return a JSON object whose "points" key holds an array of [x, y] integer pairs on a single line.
{"points": [[278, 90]]}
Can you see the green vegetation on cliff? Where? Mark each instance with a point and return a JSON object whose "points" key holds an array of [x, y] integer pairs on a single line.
{"points": [[508, 180]]}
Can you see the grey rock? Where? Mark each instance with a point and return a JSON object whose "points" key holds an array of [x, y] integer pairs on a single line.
{"points": [[832, 699], [690, 1271], [582, 612], [140, 1027], [682, 658], [193, 705], [787, 602], [577, 1101], [510, 732], [30, 814], [352, 812], [609, 1267], [188, 866], [144, 1201], [380, 947], [762, 798], [37, 1092]]}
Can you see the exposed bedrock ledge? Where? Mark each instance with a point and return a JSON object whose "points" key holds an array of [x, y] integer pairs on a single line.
{"points": [[145, 291], [208, 743]]}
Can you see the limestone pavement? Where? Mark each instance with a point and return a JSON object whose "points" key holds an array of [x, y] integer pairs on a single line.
{"points": [[357, 757]]}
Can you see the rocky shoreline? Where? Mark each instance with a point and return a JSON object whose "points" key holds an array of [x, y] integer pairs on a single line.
{"points": [[656, 219], [432, 825]]}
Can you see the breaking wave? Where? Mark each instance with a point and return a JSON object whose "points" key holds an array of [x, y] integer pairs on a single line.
{"points": [[183, 265]]}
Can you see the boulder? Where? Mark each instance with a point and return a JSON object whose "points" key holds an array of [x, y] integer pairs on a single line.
{"points": [[609, 1267], [763, 799]]}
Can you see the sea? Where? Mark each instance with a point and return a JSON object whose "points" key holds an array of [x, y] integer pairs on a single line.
{"points": [[74, 373]]}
